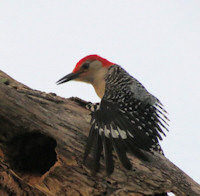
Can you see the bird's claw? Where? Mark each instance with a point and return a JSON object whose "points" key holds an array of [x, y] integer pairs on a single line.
{"points": [[92, 106]]}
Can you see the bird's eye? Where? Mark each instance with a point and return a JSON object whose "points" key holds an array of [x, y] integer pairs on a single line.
{"points": [[85, 65]]}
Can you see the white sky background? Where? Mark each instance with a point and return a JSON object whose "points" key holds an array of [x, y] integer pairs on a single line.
{"points": [[158, 42]]}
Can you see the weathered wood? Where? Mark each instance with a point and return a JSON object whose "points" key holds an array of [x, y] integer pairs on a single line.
{"points": [[42, 139]]}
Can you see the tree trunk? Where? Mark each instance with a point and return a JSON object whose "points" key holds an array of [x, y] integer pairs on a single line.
{"points": [[42, 139]]}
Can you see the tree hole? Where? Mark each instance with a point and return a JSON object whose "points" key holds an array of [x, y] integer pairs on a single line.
{"points": [[31, 152]]}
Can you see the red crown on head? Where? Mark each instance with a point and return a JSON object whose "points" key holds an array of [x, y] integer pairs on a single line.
{"points": [[92, 57]]}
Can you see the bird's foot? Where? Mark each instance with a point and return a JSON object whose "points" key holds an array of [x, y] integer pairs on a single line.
{"points": [[92, 106]]}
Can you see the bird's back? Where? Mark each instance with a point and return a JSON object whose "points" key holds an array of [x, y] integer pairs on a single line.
{"points": [[129, 119]]}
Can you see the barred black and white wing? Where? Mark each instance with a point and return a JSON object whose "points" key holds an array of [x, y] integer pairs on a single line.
{"points": [[123, 131], [128, 119]]}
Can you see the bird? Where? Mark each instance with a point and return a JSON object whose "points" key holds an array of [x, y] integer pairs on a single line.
{"points": [[128, 119]]}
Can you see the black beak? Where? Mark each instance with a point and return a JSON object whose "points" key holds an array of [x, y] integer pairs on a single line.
{"points": [[68, 77]]}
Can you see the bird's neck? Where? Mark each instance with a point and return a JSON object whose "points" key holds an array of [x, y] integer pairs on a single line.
{"points": [[99, 82], [99, 88]]}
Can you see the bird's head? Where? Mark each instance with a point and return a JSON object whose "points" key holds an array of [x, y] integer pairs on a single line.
{"points": [[90, 69]]}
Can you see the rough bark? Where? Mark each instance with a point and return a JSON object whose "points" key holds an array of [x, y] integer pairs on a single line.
{"points": [[42, 139]]}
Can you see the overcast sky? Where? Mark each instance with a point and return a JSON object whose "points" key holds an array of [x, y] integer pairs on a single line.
{"points": [[158, 42]]}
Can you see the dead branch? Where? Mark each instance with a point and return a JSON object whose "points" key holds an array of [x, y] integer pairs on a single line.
{"points": [[42, 139]]}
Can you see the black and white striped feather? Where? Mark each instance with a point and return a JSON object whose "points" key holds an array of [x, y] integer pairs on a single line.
{"points": [[128, 119]]}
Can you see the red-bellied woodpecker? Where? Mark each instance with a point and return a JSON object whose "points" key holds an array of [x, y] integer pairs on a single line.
{"points": [[128, 118]]}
